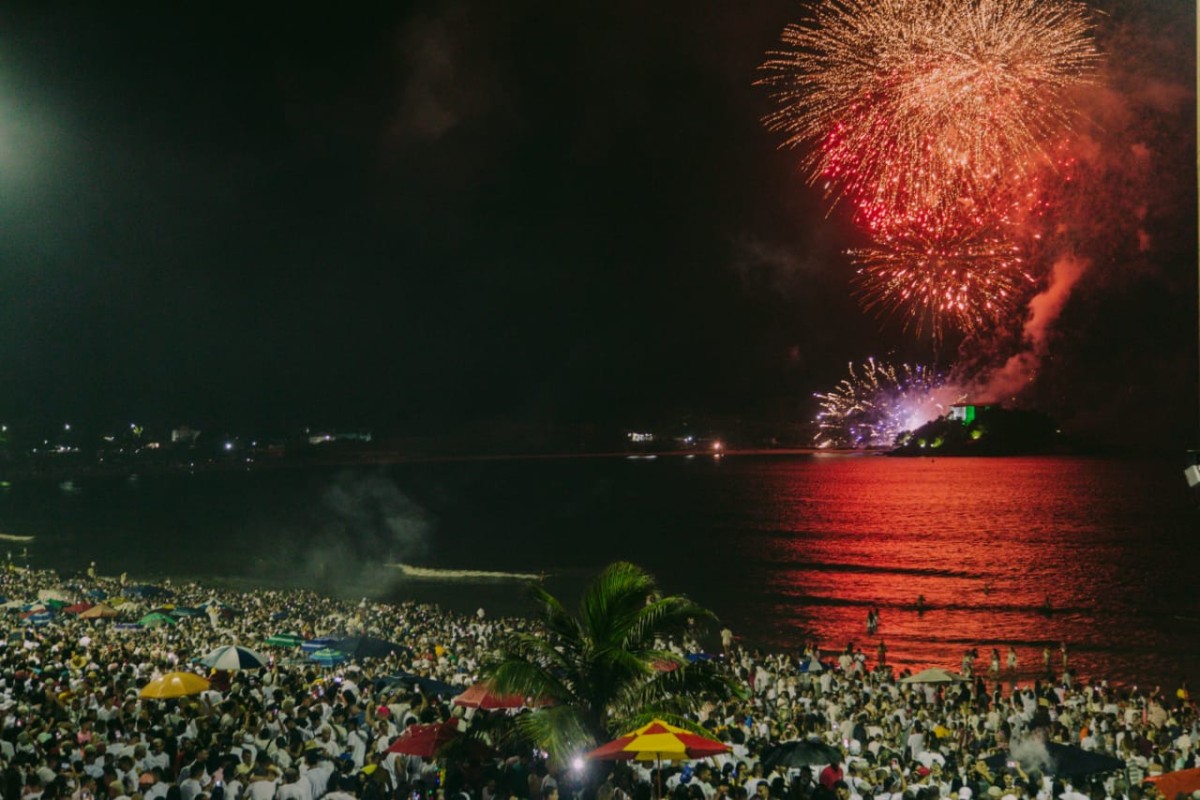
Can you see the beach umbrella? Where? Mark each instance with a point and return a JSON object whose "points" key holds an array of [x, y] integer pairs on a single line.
{"points": [[78, 608], [157, 618], [147, 592], [933, 675], [482, 695], [358, 647], [173, 684], [52, 594], [1062, 760], [328, 657], [38, 618], [424, 740], [657, 741], [97, 594], [284, 640], [428, 686], [231, 658], [185, 611], [1173, 784], [800, 754], [99, 611], [320, 643]]}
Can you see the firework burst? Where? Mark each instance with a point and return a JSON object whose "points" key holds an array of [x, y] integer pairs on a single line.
{"points": [[966, 281], [878, 402], [911, 105]]}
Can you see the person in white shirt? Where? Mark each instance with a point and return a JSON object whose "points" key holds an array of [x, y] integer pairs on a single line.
{"points": [[316, 769], [294, 787]]}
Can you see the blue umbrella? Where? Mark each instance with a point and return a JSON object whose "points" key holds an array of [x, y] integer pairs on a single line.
{"points": [[232, 657], [328, 657], [320, 643]]}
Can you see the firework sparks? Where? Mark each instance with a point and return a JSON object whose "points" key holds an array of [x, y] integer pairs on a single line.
{"points": [[912, 105], [878, 402], [965, 282]]}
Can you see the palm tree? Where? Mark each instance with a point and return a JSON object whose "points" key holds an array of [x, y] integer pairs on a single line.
{"points": [[601, 672]]}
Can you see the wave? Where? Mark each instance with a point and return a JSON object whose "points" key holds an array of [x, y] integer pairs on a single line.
{"points": [[429, 573], [12, 537]]}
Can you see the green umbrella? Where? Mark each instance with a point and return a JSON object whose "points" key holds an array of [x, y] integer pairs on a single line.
{"points": [[157, 618], [285, 640]]}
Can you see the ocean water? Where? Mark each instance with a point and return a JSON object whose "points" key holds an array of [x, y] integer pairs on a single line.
{"points": [[1102, 554]]}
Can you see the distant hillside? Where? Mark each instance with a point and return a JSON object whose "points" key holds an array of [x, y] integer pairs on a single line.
{"points": [[986, 431]]}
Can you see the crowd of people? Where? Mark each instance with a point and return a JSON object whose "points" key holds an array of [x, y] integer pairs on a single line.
{"points": [[74, 724]]}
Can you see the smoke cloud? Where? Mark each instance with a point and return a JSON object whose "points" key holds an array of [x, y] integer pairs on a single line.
{"points": [[1032, 753], [1021, 369], [362, 524]]}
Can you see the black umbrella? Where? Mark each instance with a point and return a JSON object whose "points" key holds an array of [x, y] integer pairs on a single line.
{"points": [[359, 647], [1063, 760], [428, 686], [801, 754]]}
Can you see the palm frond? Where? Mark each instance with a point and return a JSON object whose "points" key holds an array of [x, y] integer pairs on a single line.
{"points": [[555, 616], [667, 616], [562, 731], [529, 680], [611, 603]]}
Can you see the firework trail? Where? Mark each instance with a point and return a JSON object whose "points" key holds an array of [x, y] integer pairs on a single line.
{"points": [[878, 402]]}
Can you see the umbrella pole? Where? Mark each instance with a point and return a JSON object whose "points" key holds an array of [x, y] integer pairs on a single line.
{"points": [[658, 773]]}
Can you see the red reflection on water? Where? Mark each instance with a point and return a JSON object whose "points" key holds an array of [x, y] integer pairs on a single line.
{"points": [[1000, 552]]}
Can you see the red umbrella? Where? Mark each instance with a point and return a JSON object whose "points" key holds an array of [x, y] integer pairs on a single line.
{"points": [[424, 740], [481, 695], [1172, 784], [78, 608]]}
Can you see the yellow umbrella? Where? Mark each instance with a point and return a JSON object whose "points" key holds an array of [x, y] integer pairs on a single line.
{"points": [[173, 684]]}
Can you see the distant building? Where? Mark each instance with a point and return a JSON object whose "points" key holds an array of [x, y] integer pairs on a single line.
{"points": [[184, 435], [323, 438], [966, 412]]}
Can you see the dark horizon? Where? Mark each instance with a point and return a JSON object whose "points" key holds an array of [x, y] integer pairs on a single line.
{"points": [[438, 217]]}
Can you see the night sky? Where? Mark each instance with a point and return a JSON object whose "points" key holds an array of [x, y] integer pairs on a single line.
{"points": [[423, 216]]}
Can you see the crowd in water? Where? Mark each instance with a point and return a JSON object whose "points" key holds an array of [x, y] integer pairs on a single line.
{"points": [[75, 726]]}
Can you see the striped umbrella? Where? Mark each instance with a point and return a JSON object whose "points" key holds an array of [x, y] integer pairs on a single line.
{"points": [[284, 640], [231, 658], [320, 643]]}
